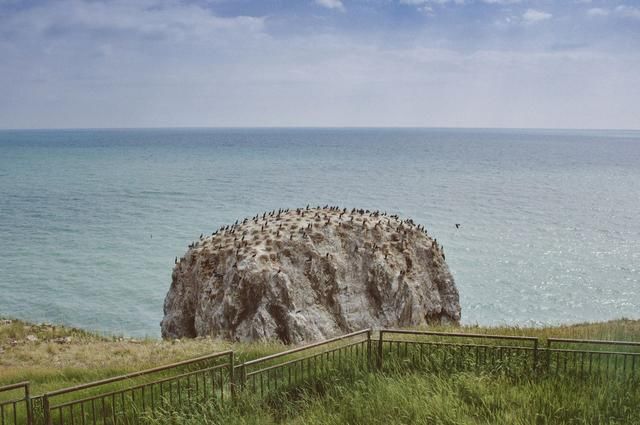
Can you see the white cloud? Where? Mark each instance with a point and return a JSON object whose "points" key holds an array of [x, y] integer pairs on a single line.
{"points": [[146, 18], [426, 3], [331, 4], [532, 16], [167, 63], [628, 11], [597, 12], [502, 2]]}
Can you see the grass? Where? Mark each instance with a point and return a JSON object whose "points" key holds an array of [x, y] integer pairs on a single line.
{"points": [[395, 397], [86, 357], [417, 398]]}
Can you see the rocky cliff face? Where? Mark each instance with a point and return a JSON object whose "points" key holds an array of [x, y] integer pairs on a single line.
{"points": [[309, 274]]}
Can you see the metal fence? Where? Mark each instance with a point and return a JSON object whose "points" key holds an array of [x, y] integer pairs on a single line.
{"points": [[126, 399], [447, 352], [346, 354], [215, 379], [579, 357], [16, 408]]}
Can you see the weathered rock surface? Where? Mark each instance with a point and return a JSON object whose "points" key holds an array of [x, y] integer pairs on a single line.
{"points": [[309, 274]]}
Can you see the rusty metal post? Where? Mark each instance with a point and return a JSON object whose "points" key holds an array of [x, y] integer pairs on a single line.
{"points": [[232, 380], [45, 408], [243, 376], [380, 350], [27, 400], [369, 350], [548, 355], [535, 356]]}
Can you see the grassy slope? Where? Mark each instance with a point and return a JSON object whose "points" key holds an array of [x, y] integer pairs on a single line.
{"points": [[410, 398], [86, 357]]}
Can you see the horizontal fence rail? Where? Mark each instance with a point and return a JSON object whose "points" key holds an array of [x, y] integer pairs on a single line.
{"points": [[17, 408], [292, 368], [214, 378], [593, 357], [446, 352], [126, 399]]}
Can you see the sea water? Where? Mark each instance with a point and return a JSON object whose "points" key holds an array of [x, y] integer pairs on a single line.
{"points": [[91, 220]]}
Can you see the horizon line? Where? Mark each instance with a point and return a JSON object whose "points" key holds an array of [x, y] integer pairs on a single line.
{"points": [[302, 127]]}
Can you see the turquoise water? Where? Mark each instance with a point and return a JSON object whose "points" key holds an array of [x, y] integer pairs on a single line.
{"points": [[91, 220]]}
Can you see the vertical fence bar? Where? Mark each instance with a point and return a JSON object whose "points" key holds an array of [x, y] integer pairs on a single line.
{"points": [[232, 381], [27, 401], [380, 350], [46, 410], [368, 350], [243, 376], [548, 356], [535, 356]]}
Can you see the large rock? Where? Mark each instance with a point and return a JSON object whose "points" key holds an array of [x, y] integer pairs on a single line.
{"points": [[309, 274]]}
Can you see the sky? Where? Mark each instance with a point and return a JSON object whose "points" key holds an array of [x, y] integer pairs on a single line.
{"points": [[237, 63]]}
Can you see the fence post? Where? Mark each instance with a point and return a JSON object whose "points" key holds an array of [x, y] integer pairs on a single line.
{"points": [[243, 376], [548, 356], [369, 349], [380, 350], [535, 356], [232, 380], [45, 408], [27, 400]]}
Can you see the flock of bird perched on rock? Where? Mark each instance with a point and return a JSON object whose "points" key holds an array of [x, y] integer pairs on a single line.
{"points": [[256, 235]]}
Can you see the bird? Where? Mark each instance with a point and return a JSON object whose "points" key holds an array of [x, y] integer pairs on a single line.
{"points": [[457, 225]]}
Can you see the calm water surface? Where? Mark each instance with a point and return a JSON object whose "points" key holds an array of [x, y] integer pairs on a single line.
{"points": [[91, 220]]}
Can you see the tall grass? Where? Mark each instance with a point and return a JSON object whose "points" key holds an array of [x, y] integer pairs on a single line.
{"points": [[399, 395], [417, 398]]}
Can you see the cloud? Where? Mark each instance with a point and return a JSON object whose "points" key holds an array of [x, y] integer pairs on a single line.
{"points": [[597, 12], [148, 19], [628, 11], [502, 2], [531, 16], [621, 11], [331, 4], [427, 3], [72, 63]]}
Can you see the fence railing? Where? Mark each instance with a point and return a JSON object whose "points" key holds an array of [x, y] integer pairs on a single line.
{"points": [[214, 378], [593, 357], [16, 408], [444, 351], [125, 399], [291, 368]]}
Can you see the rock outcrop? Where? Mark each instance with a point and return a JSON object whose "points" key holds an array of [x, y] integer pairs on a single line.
{"points": [[309, 274]]}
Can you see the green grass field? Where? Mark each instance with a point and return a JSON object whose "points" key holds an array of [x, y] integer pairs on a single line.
{"points": [[415, 398], [393, 397]]}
